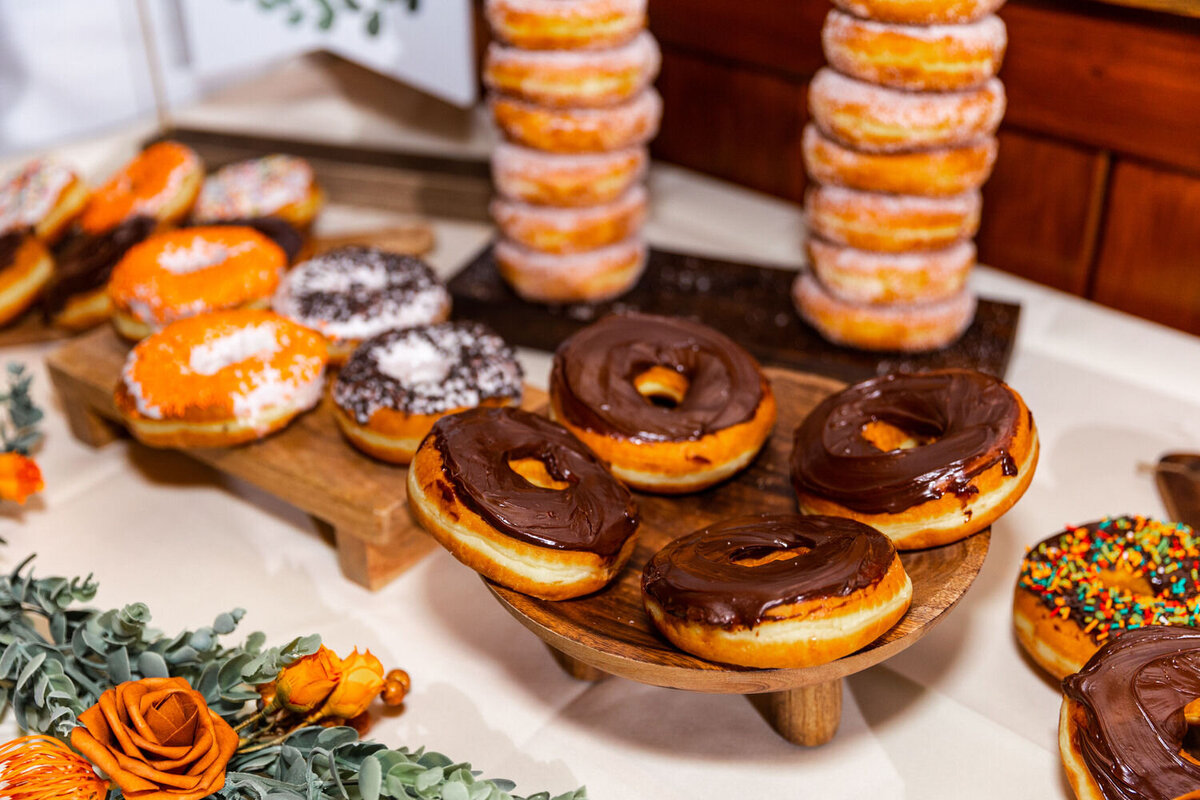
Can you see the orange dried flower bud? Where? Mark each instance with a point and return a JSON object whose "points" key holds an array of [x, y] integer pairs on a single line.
{"points": [[395, 687], [19, 477], [304, 684], [362, 681]]}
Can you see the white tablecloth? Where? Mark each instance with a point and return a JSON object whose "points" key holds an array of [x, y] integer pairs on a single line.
{"points": [[961, 714]]}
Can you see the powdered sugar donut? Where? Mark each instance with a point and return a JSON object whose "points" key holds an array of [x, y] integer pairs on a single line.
{"points": [[862, 276], [160, 182], [272, 186], [937, 172], [220, 379], [554, 179], [923, 57], [589, 277], [909, 328], [571, 230], [579, 130], [891, 223], [192, 271], [565, 24], [573, 78], [353, 293], [882, 120], [920, 12], [44, 195], [397, 384]]}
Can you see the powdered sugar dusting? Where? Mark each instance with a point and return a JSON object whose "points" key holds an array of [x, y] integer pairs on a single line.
{"points": [[568, 8], [975, 108], [988, 33], [30, 194], [642, 53], [509, 213], [841, 200]]}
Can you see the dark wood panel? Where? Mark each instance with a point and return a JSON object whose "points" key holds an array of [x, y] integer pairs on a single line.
{"points": [[779, 35], [1107, 81], [1149, 260], [1041, 210], [733, 123]]}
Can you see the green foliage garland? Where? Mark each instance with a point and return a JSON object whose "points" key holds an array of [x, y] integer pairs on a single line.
{"points": [[326, 12], [20, 417]]}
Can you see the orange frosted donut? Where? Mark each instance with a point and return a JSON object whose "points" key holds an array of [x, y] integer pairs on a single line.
{"points": [[907, 328], [573, 78], [44, 195], [589, 277], [566, 24], [928, 57], [891, 223], [192, 271], [579, 130], [272, 186], [938, 172], [554, 179], [220, 379], [550, 229], [161, 182], [25, 267], [882, 120], [920, 12], [863, 276]]}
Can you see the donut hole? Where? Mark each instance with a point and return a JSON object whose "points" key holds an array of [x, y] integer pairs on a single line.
{"points": [[534, 471], [1129, 581], [887, 437], [757, 556], [662, 386]]}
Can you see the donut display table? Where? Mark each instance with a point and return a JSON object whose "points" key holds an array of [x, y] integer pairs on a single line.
{"points": [[608, 633]]}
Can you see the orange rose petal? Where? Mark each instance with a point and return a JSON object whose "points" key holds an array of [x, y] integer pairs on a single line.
{"points": [[106, 760], [117, 726]]}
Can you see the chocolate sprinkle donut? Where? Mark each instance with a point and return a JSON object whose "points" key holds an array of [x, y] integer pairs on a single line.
{"points": [[428, 370], [354, 293], [84, 261]]}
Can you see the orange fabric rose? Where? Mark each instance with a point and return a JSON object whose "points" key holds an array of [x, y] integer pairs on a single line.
{"points": [[157, 739], [19, 477], [305, 683], [362, 681]]}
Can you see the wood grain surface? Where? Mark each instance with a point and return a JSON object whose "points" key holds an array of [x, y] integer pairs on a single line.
{"points": [[610, 631]]}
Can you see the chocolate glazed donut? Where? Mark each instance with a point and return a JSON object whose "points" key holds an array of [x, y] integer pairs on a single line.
{"points": [[1122, 728], [84, 262], [776, 591], [719, 413], [971, 435]]}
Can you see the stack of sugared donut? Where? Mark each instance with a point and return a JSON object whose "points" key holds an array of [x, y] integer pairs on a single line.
{"points": [[570, 84], [902, 137]]}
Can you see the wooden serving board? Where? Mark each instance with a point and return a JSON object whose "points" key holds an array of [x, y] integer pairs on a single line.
{"points": [[750, 303], [608, 633], [308, 464]]}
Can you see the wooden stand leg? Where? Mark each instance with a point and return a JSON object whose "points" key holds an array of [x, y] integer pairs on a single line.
{"points": [[375, 565], [87, 426], [576, 669], [807, 716]]}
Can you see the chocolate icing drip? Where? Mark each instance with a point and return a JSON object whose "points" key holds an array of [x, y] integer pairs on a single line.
{"points": [[10, 243], [280, 231], [700, 577], [594, 371], [1132, 693], [83, 261], [594, 512], [969, 415]]}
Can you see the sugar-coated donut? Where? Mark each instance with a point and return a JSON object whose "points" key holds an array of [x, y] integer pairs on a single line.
{"points": [[160, 182], [565, 25], [891, 223], [1125, 718], [573, 78], [190, 271], [927, 458], [272, 186], [919, 57], [588, 277], [939, 172], [776, 591], [397, 384], [570, 179], [353, 293], [921, 12], [865, 276], [76, 298], [881, 120], [45, 195], [521, 501], [553, 229], [220, 379], [25, 267], [1089, 583], [674, 406], [579, 130]]}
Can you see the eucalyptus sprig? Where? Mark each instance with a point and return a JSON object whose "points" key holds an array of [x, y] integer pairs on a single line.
{"points": [[19, 415], [326, 12]]}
